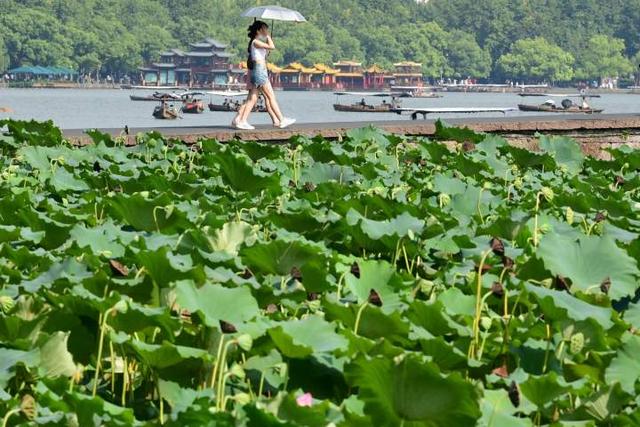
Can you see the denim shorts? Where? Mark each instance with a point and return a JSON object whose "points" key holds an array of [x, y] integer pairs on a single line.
{"points": [[259, 75]]}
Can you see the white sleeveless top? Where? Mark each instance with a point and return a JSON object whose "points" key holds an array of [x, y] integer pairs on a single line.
{"points": [[258, 53]]}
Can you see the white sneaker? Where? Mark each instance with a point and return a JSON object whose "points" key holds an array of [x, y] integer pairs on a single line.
{"points": [[244, 126], [286, 122]]}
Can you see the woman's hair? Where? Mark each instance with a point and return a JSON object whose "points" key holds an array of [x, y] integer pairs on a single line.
{"points": [[252, 32]]}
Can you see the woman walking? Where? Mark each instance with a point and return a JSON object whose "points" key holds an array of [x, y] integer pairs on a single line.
{"points": [[260, 43]]}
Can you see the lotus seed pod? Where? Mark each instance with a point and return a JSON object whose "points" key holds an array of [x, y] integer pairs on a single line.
{"points": [[518, 183], [576, 343], [547, 193], [444, 199], [485, 323], [121, 306], [545, 228], [569, 215], [6, 303], [28, 407], [242, 398], [237, 371], [245, 342]]}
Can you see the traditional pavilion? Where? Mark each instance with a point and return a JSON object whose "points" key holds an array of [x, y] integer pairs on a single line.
{"points": [[350, 75], [408, 73], [205, 65], [374, 78]]}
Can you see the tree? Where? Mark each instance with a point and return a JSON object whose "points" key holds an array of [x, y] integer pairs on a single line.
{"points": [[537, 59], [465, 57], [602, 57]]}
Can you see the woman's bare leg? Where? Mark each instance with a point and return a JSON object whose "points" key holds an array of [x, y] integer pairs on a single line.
{"points": [[248, 105], [269, 108], [269, 96]]}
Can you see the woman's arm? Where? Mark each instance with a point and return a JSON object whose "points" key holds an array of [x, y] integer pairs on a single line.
{"points": [[262, 45]]}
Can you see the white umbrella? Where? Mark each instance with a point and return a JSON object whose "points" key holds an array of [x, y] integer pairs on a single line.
{"points": [[274, 13]]}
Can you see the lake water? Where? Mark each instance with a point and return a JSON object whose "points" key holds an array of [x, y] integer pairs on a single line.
{"points": [[83, 109]]}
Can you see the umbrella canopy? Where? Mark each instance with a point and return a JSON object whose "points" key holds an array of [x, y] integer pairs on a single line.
{"points": [[274, 13]]}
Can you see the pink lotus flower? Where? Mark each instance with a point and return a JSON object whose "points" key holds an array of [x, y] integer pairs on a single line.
{"points": [[305, 399]]}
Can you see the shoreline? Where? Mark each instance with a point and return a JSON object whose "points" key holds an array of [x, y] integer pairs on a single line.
{"points": [[458, 89], [595, 133]]}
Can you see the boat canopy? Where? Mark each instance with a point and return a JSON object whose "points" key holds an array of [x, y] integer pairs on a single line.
{"points": [[561, 95], [379, 94], [228, 93]]}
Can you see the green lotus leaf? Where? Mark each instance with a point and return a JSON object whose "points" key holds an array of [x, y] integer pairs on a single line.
{"points": [[242, 176], [216, 303], [543, 389], [179, 398], [380, 277], [498, 411], [62, 180], [412, 392], [94, 410], [55, 359], [368, 134], [10, 358], [400, 226], [625, 366], [589, 261], [98, 239], [69, 269], [605, 403], [444, 132], [559, 305], [564, 150], [310, 336], [280, 256], [322, 172], [231, 236], [166, 354]]}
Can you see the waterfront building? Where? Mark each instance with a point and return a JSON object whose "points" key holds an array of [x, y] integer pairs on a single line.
{"points": [[408, 73], [205, 65], [374, 78], [350, 75]]}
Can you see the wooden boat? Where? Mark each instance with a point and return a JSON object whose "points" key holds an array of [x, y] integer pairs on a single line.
{"points": [[366, 108], [165, 111], [191, 103], [547, 108], [6, 110], [363, 107], [234, 108]]}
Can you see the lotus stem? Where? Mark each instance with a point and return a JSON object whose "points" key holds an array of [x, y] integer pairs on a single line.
{"points": [[215, 365], [221, 375], [261, 384], [535, 220], [125, 380], [476, 320], [358, 317], [161, 400], [8, 415], [103, 327], [505, 301], [406, 259], [113, 367], [546, 352], [479, 205]]}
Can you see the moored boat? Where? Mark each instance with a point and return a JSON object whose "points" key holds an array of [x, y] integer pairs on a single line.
{"points": [[545, 108], [191, 103], [165, 111], [363, 108]]}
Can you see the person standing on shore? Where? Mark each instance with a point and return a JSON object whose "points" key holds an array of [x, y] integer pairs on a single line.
{"points": [[260, 43]]}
